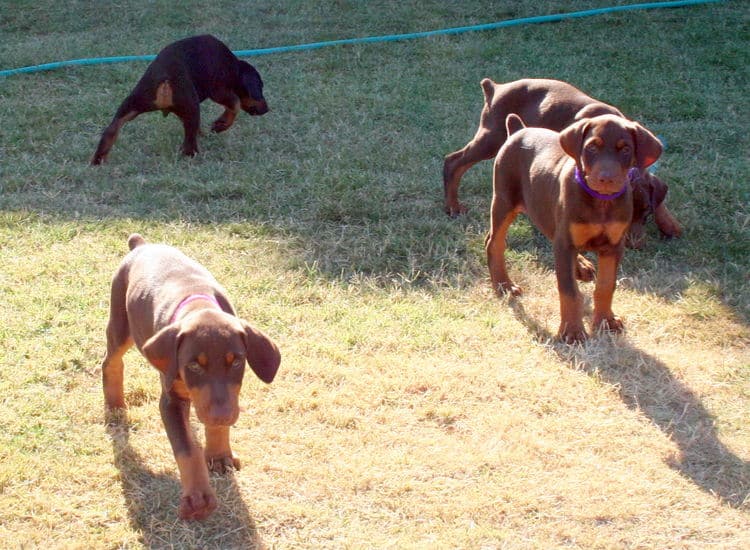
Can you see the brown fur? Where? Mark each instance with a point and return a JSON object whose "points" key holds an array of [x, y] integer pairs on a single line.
{"points": [[534, 174], [200, 350], [184, 74], [554, 105]]}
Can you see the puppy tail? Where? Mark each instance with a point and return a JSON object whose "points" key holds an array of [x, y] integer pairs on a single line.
{"points": [[488, 87], [513, 123], [135, 240]]}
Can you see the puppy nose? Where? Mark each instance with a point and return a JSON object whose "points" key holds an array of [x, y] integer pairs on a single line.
{"points": [[606, 177], [222, 414]]}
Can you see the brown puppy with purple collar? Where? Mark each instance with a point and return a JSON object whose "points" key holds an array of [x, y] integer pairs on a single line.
{"points": [[574, 186], [180, 319], [552, 104]]}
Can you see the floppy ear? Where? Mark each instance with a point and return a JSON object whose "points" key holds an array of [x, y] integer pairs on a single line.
{"points": [[262, 354], [161, 352], [571, 138], [647, 147], [250, 78]]}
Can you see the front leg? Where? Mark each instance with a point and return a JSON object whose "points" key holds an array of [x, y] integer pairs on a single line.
{"points": [[218, 453], [571, 303], [198, 499], [606, 281], [231, 104]]}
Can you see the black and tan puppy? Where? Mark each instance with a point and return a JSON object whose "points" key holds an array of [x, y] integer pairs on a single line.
{"points": [[184, 74], [575, 188], [180, 319], [551, 104]]}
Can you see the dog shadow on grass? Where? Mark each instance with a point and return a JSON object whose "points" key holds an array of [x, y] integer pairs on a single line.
{"points": [[152, 499], [646, 384]]}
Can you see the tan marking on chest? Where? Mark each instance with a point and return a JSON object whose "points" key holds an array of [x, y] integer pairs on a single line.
{"points": [[163, 99], [597, 234]]}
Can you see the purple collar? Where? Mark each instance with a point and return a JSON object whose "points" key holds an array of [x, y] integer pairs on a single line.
{"points": [[192, 298], [633, 175]]}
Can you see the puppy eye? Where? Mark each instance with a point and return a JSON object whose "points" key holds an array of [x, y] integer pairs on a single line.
{"points": [[625, 149], [238, 363], [195, 367]]}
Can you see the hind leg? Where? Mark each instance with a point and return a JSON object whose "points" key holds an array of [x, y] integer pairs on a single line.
{"points": [[126, 112], [666, 222], [191, 123], [119, 341], [503, 215], [484, 146]]}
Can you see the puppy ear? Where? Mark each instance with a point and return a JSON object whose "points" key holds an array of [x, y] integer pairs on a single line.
{"points": [[571, 138], [262, 354], [161, 352], [513, 123], [647, 147], [251, 80], [488, 87]]}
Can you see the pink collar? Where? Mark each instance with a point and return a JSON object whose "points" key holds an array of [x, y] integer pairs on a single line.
{"points": [[192, 298]]}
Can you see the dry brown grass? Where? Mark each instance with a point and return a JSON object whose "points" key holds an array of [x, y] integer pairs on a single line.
{"points": [[401, 419]]}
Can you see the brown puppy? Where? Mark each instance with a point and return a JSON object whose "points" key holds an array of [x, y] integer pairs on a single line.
{"points": [[180, 319], [574, 187], [542, 103], [184, 74]]}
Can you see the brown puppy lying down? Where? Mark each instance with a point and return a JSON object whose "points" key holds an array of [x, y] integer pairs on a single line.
{"points": [[184, 74], [180, 319], [574, 186], [551, 104]]}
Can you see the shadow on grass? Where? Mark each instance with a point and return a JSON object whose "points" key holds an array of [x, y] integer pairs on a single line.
{"points": [[645, 384], [152, 499]]}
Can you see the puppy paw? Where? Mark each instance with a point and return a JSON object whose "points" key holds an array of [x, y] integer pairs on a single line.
{"points": [[455, 210], [117, 416], [572, 334], [611, 324], [197, 504], [585, 270], [219, 126], [222, 464], [189, 151], [509, 288]]}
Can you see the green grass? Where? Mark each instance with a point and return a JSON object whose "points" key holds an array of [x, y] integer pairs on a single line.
{"points": [[413, 409]]}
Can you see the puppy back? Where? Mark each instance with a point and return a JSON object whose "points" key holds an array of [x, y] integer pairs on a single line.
{"points": [[135, 240]]}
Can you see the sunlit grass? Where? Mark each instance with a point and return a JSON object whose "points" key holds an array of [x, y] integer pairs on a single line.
{"points": [[413, 409]]}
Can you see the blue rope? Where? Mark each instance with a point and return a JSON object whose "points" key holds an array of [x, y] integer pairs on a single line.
{"points": [[373, 39]]}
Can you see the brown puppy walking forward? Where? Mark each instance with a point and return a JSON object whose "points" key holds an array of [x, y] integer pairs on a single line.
{"points": [[180, 319], [551, 104], [574, 186], [184, 74]]}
